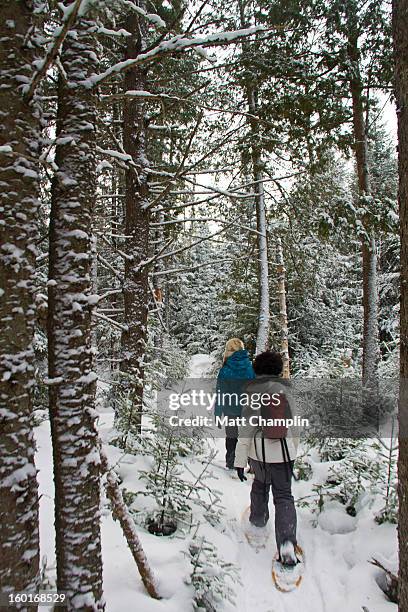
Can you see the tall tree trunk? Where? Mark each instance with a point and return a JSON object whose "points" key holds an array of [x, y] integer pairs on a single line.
{"points": [[400, 28], [20, 134], [283, 312], [368, 243], [72, 379], [262, 338], [136, 288]]}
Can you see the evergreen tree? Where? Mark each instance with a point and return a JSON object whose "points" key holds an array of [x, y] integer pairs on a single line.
{"points": [[400, 25], [19, 167], [70, 302], [137, 216], [356, 47]]}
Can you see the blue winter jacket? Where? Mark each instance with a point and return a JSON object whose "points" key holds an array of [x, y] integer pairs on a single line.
{"points": [[232, 378]]}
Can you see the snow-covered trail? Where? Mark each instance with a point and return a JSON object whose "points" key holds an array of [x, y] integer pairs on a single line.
{"points": [[319, 590], [338, 575]]}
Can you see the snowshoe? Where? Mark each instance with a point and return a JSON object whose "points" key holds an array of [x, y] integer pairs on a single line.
{"points": [[257, 537], [287, 572]]}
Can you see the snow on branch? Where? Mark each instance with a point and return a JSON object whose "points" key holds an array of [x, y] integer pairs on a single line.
{"points": [[190, 246], [174, 45], [70, 14], [107, 265], [152, 17], [197, 266], [124, 157], [6, 150], [108, 32], [103, 317], [138, 93]]}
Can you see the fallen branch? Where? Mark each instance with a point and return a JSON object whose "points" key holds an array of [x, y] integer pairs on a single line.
{"points": [[390, 588], [121, 511]]}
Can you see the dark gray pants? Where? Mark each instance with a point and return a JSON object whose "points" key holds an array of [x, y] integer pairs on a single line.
{"points": [[278, 476], [231, 439]]}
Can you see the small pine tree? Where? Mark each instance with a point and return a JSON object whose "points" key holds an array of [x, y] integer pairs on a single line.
{"points": [[211, 576]]}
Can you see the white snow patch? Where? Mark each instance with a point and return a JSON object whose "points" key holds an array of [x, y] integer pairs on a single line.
{"points": [[6, 149], [334, 519]]}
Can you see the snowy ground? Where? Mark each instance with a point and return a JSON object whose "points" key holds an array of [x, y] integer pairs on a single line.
{"points": [[338, 575]]}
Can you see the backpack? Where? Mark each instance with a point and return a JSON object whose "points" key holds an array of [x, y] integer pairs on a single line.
{"points": [[275, 411]]}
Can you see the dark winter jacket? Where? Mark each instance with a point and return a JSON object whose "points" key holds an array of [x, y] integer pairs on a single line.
{"points": [[233, 378]]}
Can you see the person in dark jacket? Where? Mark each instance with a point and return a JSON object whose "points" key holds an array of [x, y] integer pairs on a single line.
{"points": [[232, 378]]}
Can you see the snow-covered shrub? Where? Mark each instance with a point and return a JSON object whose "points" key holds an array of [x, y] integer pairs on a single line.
{"points": [[303, 469], [358, 468], [124, 417], [388, 455], [166, 485], [335, 449], [212, 577], [176, 490], [315, 501], [358, 473], [165, 359], [389, 513]]}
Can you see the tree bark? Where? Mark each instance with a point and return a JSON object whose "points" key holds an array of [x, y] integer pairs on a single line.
{"points": [[71, 376], [136, 287], [283, 312], [20, 131], [400, 28], [368, 243], [262, 338]]}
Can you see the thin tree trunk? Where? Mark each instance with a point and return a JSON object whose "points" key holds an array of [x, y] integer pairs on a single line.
{"points": [[283, 312], [368, 244], [72, 379], [159, 266], [120, 511], [20, 134], [158, 282], [136, 288], [400, 28], [262, 338]]}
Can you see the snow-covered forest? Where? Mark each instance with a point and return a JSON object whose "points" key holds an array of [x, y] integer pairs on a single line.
{"points": [[175, 174]]}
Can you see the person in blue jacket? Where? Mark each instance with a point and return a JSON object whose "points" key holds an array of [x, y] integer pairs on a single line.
{"points": [[232, 378]]}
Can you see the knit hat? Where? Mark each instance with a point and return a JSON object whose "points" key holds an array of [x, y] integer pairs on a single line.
{"points": [[232, 345]]}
